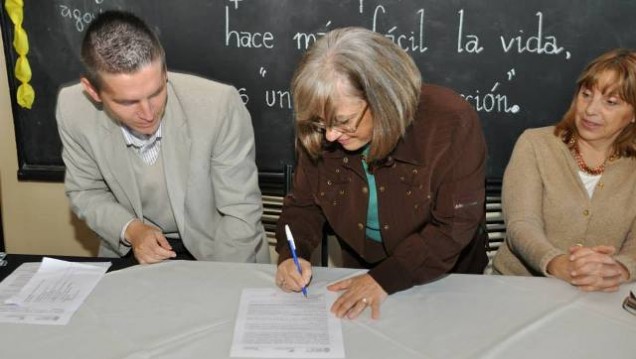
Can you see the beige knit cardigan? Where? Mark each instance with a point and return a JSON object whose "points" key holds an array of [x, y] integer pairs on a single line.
{"points": [[547, 208]]}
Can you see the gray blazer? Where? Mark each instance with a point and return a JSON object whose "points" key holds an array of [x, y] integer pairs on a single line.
{"points": [[208, 156]]}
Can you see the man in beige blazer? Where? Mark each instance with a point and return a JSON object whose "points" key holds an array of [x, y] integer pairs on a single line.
{"points": [[158, 162]]}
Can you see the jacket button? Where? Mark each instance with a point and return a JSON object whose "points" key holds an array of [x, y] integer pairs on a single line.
{"points": [[402, 178], [345, 160], [322, 194], [386, 227], [586, 212], [329, 183], [414, 171], [334, 203], [408, 193], [342, 192], [416, 206], [360, 226], [365, 189], [337, 170], [600, 185], [381, 188]]}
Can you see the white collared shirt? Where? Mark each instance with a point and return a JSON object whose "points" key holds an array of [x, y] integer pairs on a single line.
{"points": [[146, 148]]}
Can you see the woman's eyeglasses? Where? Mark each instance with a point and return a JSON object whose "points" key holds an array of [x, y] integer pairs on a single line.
{"points": [[343, 126]]}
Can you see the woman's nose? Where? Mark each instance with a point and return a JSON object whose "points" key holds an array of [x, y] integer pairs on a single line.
{"points": [[592, 106], [332, 134]]}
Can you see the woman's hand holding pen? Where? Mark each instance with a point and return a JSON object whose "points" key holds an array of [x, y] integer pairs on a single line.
{"points": [[288, 278], [360, 292]]}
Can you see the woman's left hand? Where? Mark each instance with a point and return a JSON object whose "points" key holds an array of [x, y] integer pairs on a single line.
{"points": [[360, 292], [594, 268]]}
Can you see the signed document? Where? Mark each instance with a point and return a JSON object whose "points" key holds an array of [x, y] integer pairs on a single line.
{"points": [[274, 324]]}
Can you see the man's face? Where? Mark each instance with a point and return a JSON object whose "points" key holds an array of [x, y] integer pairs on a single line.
{"points": [[136, 100]]}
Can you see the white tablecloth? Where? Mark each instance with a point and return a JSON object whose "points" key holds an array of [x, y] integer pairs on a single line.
{"points": [[187, 310]]}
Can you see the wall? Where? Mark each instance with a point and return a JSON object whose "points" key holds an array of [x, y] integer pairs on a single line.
{"points": [[36, 216]]}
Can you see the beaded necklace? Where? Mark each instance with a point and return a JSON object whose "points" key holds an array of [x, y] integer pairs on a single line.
{"points": [[583, 166]]}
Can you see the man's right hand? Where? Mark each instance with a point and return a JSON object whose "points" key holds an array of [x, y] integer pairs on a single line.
{"points": [[148, 243]]}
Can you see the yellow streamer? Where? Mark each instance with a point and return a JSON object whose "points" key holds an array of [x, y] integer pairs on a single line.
{"points": [[25, 94]]}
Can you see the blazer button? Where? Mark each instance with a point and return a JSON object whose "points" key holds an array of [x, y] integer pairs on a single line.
{"points": [[329, 183], [414, 171], [365, 189], [386, 227], [345, 160], [586, 212], [416, 206], [600, 185], [381, 188], [337, 170], [322, 194], [360, 226], [334, 203], [342, 192], [408, 193]]}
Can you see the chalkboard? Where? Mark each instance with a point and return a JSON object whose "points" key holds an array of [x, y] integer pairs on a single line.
{"points": [[515, 61]]}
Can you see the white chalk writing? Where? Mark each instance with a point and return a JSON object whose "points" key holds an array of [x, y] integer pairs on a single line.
{"points": [[539, 43], [472, 41], [245, 38], [408, 42], [278, 98]]}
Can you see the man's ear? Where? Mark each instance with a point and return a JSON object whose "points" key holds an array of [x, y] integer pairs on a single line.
{"points": [[90, 90]]}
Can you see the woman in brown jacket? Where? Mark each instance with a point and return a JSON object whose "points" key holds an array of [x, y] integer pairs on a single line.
{"points": [[394, 167]]}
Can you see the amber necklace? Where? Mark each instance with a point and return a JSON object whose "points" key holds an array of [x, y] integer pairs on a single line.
{"points": [[583, 166]]}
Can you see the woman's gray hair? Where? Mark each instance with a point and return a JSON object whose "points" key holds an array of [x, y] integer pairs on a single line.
{"points": [[374, 68], [118, 42]]}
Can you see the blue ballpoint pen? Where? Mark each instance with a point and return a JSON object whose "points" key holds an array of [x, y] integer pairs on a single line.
{"points": [[292, 248]]}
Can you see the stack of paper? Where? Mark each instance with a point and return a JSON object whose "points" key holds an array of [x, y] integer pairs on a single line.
{"points": [[47, 293]]}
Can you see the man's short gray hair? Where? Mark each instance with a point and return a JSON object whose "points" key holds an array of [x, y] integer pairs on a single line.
{"points": [[118, 42]]}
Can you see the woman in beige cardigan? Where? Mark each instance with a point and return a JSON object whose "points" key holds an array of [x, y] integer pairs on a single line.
{"points": [[569, 191]]}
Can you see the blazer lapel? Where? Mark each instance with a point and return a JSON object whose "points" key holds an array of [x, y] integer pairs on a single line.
{"points": [[118, 160], [175, 151]]}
